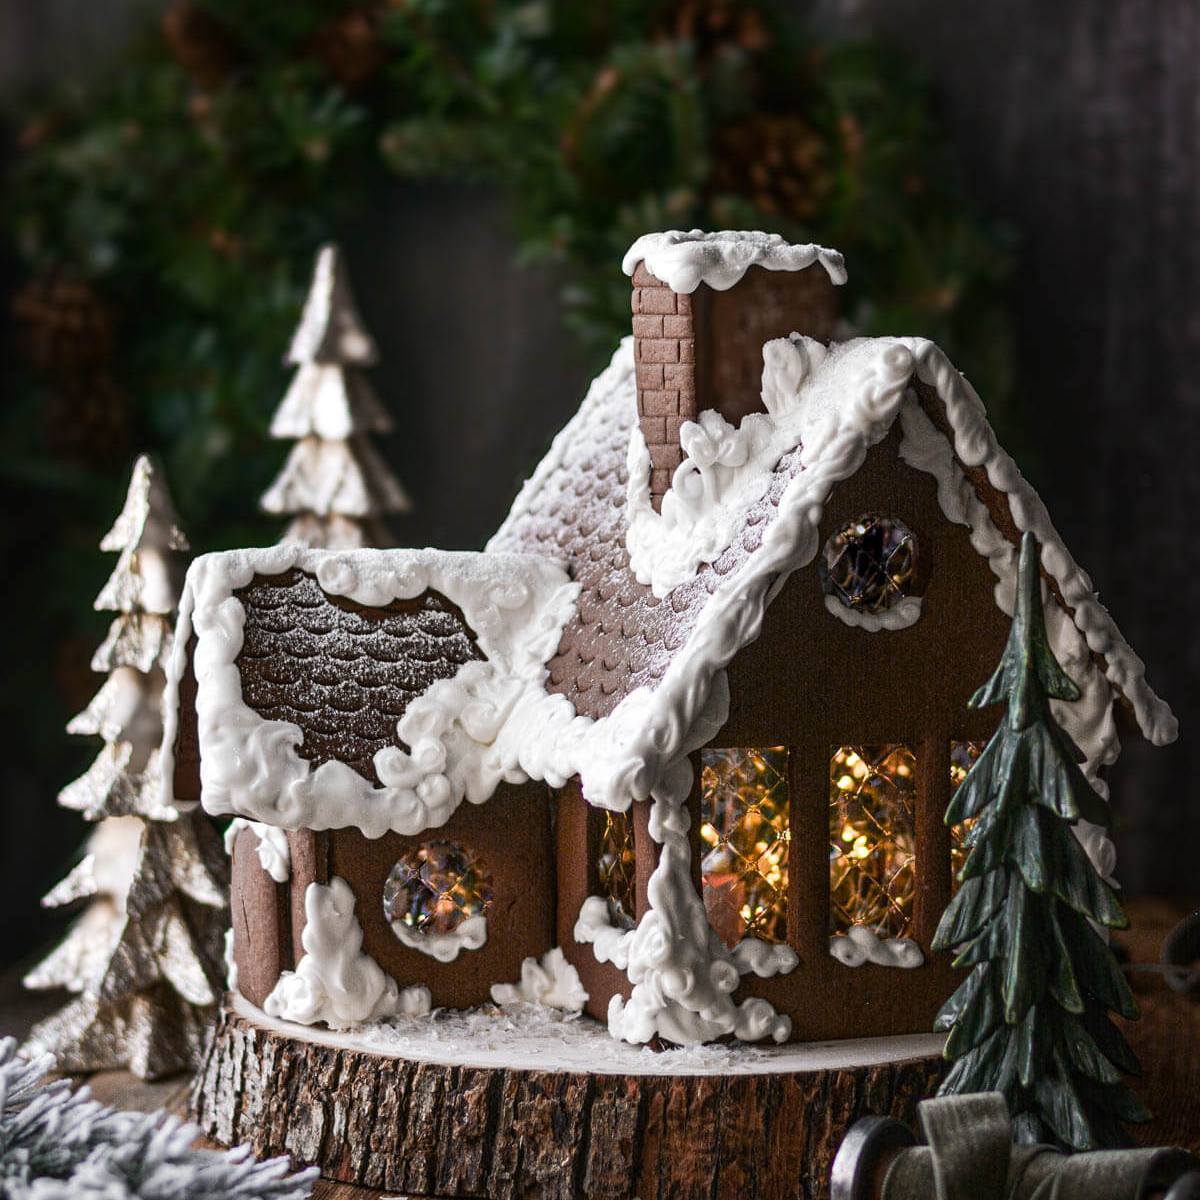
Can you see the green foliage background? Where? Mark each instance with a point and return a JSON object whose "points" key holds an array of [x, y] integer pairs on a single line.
{"points": [[186, 191]]}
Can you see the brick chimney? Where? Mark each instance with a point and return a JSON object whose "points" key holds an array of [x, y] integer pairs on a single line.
{"points": [[698, 334]]}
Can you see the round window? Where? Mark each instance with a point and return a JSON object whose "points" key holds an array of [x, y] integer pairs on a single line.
{"points": [[870, 564], [435, 889]]}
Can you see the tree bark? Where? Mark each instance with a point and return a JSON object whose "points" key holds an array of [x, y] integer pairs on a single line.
{"points": [[427, 1129]]}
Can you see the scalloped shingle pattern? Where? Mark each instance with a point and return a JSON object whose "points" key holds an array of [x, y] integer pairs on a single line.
{"points": [[343, 673], [622, 637]]}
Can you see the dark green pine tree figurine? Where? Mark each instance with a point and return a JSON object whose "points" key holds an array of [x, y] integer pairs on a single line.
{"points": [[1031, 1020]]}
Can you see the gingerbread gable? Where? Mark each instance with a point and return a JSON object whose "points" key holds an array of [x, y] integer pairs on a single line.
{"points": [[652, 583]]}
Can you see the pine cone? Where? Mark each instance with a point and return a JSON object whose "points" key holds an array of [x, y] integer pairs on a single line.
{"points": [[88, 420], [200, 43], [67, 326], [777, 162], [711, 25], [349, 47]]}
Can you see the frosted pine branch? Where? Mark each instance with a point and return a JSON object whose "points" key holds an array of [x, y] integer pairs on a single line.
{"points": [[56, 1144]]}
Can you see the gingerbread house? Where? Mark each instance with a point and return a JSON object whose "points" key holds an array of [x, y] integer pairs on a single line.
{"points": [[677, 745]]}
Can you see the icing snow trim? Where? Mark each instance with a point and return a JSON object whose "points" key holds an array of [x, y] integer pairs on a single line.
{"points": [[862, 945], [231, 971], [753, 956], [828, 401], [975, 445], [901, 615], [445, 947], [274, 853], [517, 606], [684, 260], [1089, 721], [335, 982], [553, 982]]}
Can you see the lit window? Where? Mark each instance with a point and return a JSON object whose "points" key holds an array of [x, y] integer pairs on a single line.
{"points": [[615, 864], [433, 889], [962, 759], [872, 790], [869, 564], [745, 831]]}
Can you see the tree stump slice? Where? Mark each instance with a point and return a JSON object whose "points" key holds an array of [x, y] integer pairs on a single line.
{"points": [[421, 1128]]}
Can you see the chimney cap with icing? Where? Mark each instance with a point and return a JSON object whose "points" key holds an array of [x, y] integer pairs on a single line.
{"points": [[685, 259]]}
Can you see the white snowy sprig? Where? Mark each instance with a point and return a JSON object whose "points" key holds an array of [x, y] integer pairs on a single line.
{"points": [[59, 1144]]}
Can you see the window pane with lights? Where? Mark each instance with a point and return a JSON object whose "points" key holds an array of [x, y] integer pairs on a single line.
{"points": [[615, 866], [962, 758], [745, 833], [872, 865]]}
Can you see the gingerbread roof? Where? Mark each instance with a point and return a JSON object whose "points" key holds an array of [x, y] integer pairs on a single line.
{"points": [[359, 688], [344, 673], [744, 511], [591, 638]]}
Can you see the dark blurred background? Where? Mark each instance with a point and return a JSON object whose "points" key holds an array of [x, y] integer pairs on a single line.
{"points": [[1018, 180]]}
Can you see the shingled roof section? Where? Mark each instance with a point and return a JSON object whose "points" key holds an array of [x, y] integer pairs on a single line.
{"points": [[344, 673], [622, 637]]}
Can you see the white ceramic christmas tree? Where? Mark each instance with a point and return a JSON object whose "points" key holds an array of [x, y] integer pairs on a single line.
{"points": [[145, 957], [334, 484]]}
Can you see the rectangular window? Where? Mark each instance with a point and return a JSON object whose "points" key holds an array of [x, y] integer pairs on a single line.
{"points": [[872, 836], [962, 759], [745, 831], [615, 865]]}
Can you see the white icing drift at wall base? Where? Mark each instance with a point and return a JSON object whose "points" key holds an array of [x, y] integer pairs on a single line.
{"points": [[335, 982], [551, 982]]}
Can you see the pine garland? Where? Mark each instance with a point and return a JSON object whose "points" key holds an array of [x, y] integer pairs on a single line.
{"points": [[197, 181], [59, 1144]]}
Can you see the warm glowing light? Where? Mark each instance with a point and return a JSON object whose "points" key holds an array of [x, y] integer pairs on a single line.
{"points": [[962, 759], [436, 887], [872, 837], [746, 834], [616, 867]]}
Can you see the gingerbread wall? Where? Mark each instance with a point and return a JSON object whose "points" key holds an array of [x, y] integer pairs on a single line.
{"points": [[510, 837], [812, 683], [704, 350]]}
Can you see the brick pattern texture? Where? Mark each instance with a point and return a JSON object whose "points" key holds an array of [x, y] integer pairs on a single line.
{"points": [[664, 347]]}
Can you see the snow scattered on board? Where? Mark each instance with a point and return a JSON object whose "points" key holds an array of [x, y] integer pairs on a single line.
{"points": [[532, 1037]]}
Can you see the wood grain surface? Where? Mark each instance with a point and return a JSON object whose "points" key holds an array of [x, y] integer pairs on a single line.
{"points": [[1166, 1039]]}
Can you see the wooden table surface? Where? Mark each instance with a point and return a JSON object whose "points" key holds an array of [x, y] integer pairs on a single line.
{"points": [[1166, 1039]]}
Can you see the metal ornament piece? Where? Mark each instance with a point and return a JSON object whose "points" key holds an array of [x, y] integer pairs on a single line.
{"points": [[868, 1146], [1181, 950], [969, 1155]]}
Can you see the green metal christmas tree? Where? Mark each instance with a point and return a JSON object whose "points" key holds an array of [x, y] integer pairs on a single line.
{"points": [[1032, 1018]]}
